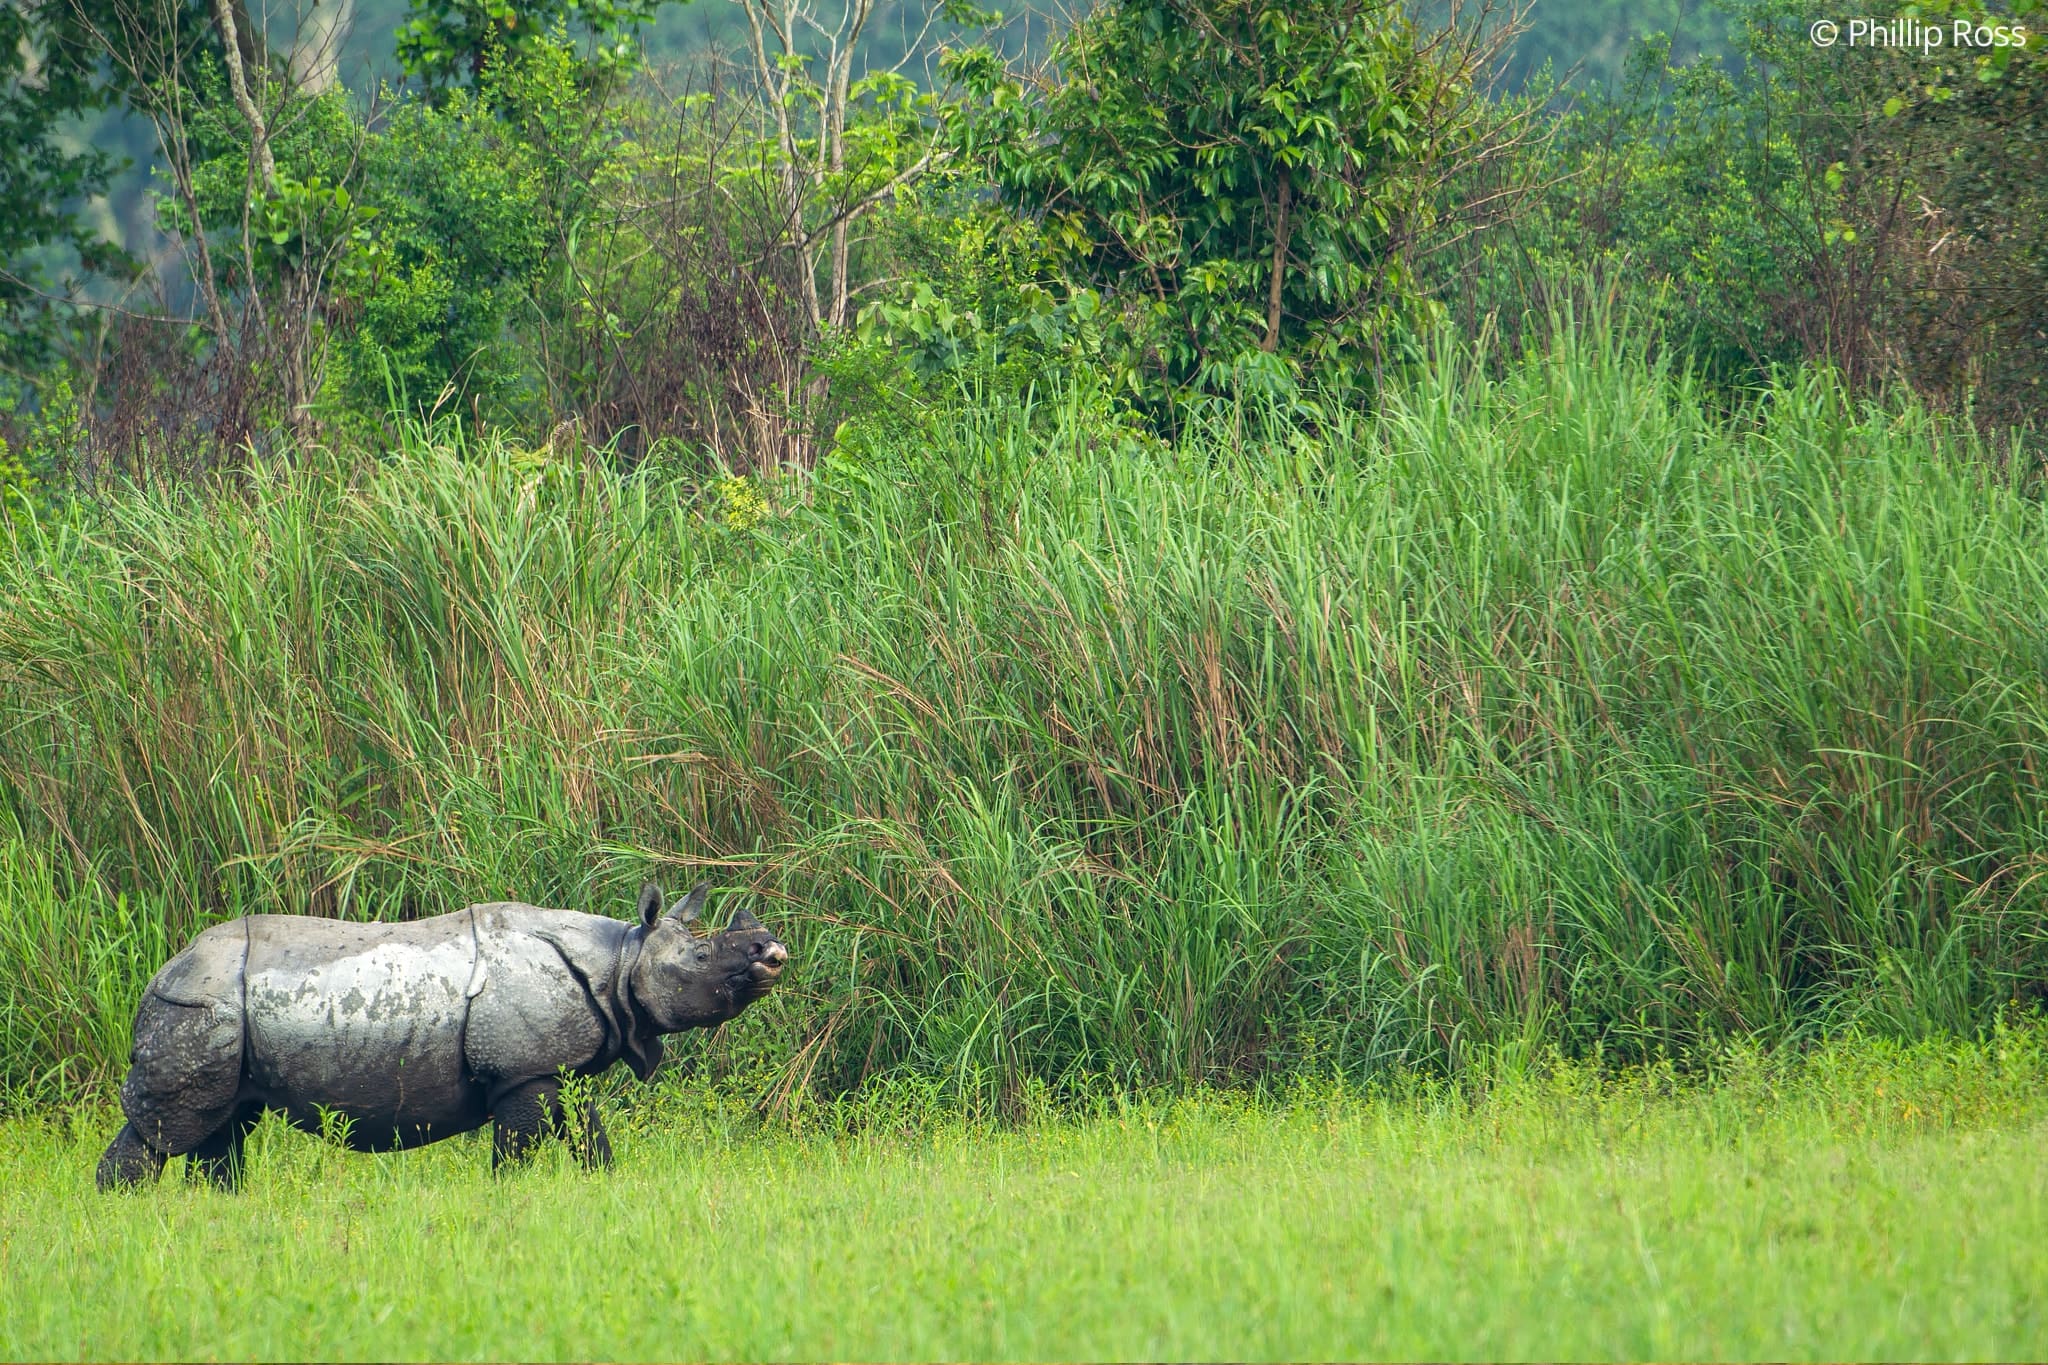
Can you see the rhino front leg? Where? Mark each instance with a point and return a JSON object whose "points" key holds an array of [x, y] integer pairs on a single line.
{"points": [[129, 1160], [527, 1113], [592, 1147], [523, 1116]]}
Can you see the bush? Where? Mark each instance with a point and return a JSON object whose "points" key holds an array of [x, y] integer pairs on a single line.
{"points": [[1787, 207], [1244, 182]]}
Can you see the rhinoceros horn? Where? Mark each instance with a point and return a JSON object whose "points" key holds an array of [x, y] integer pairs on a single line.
{"points": [[743, 918]]}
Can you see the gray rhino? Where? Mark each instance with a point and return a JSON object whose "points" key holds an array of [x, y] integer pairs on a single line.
{"points": [[414, 1032]]}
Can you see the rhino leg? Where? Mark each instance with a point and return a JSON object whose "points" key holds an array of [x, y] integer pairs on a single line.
{"points": [[527, 1113], [218, 1158], [523, 1116], [129, 1160], [184, 1072]]}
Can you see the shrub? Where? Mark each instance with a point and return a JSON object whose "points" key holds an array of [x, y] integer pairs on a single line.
{"points": [[1788, 206], [1243, 181]]}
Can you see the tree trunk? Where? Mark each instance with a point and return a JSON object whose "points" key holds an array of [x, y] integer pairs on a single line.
{"points": [[316, 55], [236, 44], [1272, 341], [242, 33]]}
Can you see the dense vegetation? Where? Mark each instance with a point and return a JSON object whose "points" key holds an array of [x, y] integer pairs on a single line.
{"points": [[1240, 550], [1547, 709]]}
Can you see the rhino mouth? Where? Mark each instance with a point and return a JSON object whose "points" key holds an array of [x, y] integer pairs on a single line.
{"points": [[764, 969]]}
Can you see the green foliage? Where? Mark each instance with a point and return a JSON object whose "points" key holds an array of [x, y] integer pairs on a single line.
{"points": [[981, 316], [1975, 128], [17, 486], [448, 41], [430, 229], [46, 441], [73, 962], [1698, 193], [258, 234], [1786, 206], [49, 75], [461, 234], [1239, 177], [2007, 45]]}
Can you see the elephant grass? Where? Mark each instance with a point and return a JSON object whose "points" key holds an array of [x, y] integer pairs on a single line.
{"points": [[1865, 1201], [1542, 706]]}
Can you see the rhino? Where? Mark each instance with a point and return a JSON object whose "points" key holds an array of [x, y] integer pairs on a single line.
{"points": [[414, 1032]]}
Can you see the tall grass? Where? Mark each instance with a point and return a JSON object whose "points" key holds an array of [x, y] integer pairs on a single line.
{"points": [[1552, 708]]}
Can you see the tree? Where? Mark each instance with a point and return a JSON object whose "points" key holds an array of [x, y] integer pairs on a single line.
{"points": [[448, 41], [48, 74], [1246, 178], [841, 145]]}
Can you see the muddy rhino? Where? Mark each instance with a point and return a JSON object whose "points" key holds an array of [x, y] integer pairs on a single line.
{"points": [[415, 1032]]}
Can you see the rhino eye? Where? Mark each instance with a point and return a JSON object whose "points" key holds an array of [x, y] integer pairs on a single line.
{"points": [[703, 953]]}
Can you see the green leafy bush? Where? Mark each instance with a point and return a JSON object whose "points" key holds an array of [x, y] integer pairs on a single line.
{"points": [[980, 315], [1796, 203], [17, 486], [447, 41], [1241, 180], [45, 446], [461, 233]]}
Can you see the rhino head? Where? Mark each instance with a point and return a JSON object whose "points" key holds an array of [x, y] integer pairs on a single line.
{"points": [[683, 979]]}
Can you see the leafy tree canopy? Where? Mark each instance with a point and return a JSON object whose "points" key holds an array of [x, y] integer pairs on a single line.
{"points": [[49, 73], [447, 41], [1242, 175]]}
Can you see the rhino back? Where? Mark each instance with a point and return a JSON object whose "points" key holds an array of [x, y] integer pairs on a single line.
{"points": [[548, 997], [363, 1019]]}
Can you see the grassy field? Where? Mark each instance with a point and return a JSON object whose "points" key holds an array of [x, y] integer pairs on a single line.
{"points": [[1866, 1201]]}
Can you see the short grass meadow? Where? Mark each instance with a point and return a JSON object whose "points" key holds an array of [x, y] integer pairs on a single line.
{"points": [[1866, 1201]]}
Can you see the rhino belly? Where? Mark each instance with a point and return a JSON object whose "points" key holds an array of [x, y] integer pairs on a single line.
{"points": [[372, 1034]]}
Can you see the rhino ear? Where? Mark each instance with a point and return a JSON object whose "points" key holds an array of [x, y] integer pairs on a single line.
{"points": [[691, 906], [743, 918], [650, 904]]}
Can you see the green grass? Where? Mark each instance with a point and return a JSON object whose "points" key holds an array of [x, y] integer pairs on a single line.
{"points": [[1867, 1201], [1552, 708]]}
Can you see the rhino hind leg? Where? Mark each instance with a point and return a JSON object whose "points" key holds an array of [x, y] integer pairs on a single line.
{"points": [[523, 1116], [184, 1073], [218, 1159], [527, 1113], [129, 1160]]}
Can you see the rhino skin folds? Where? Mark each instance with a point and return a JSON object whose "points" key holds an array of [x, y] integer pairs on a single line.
{"points": [[409, 1033]]}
